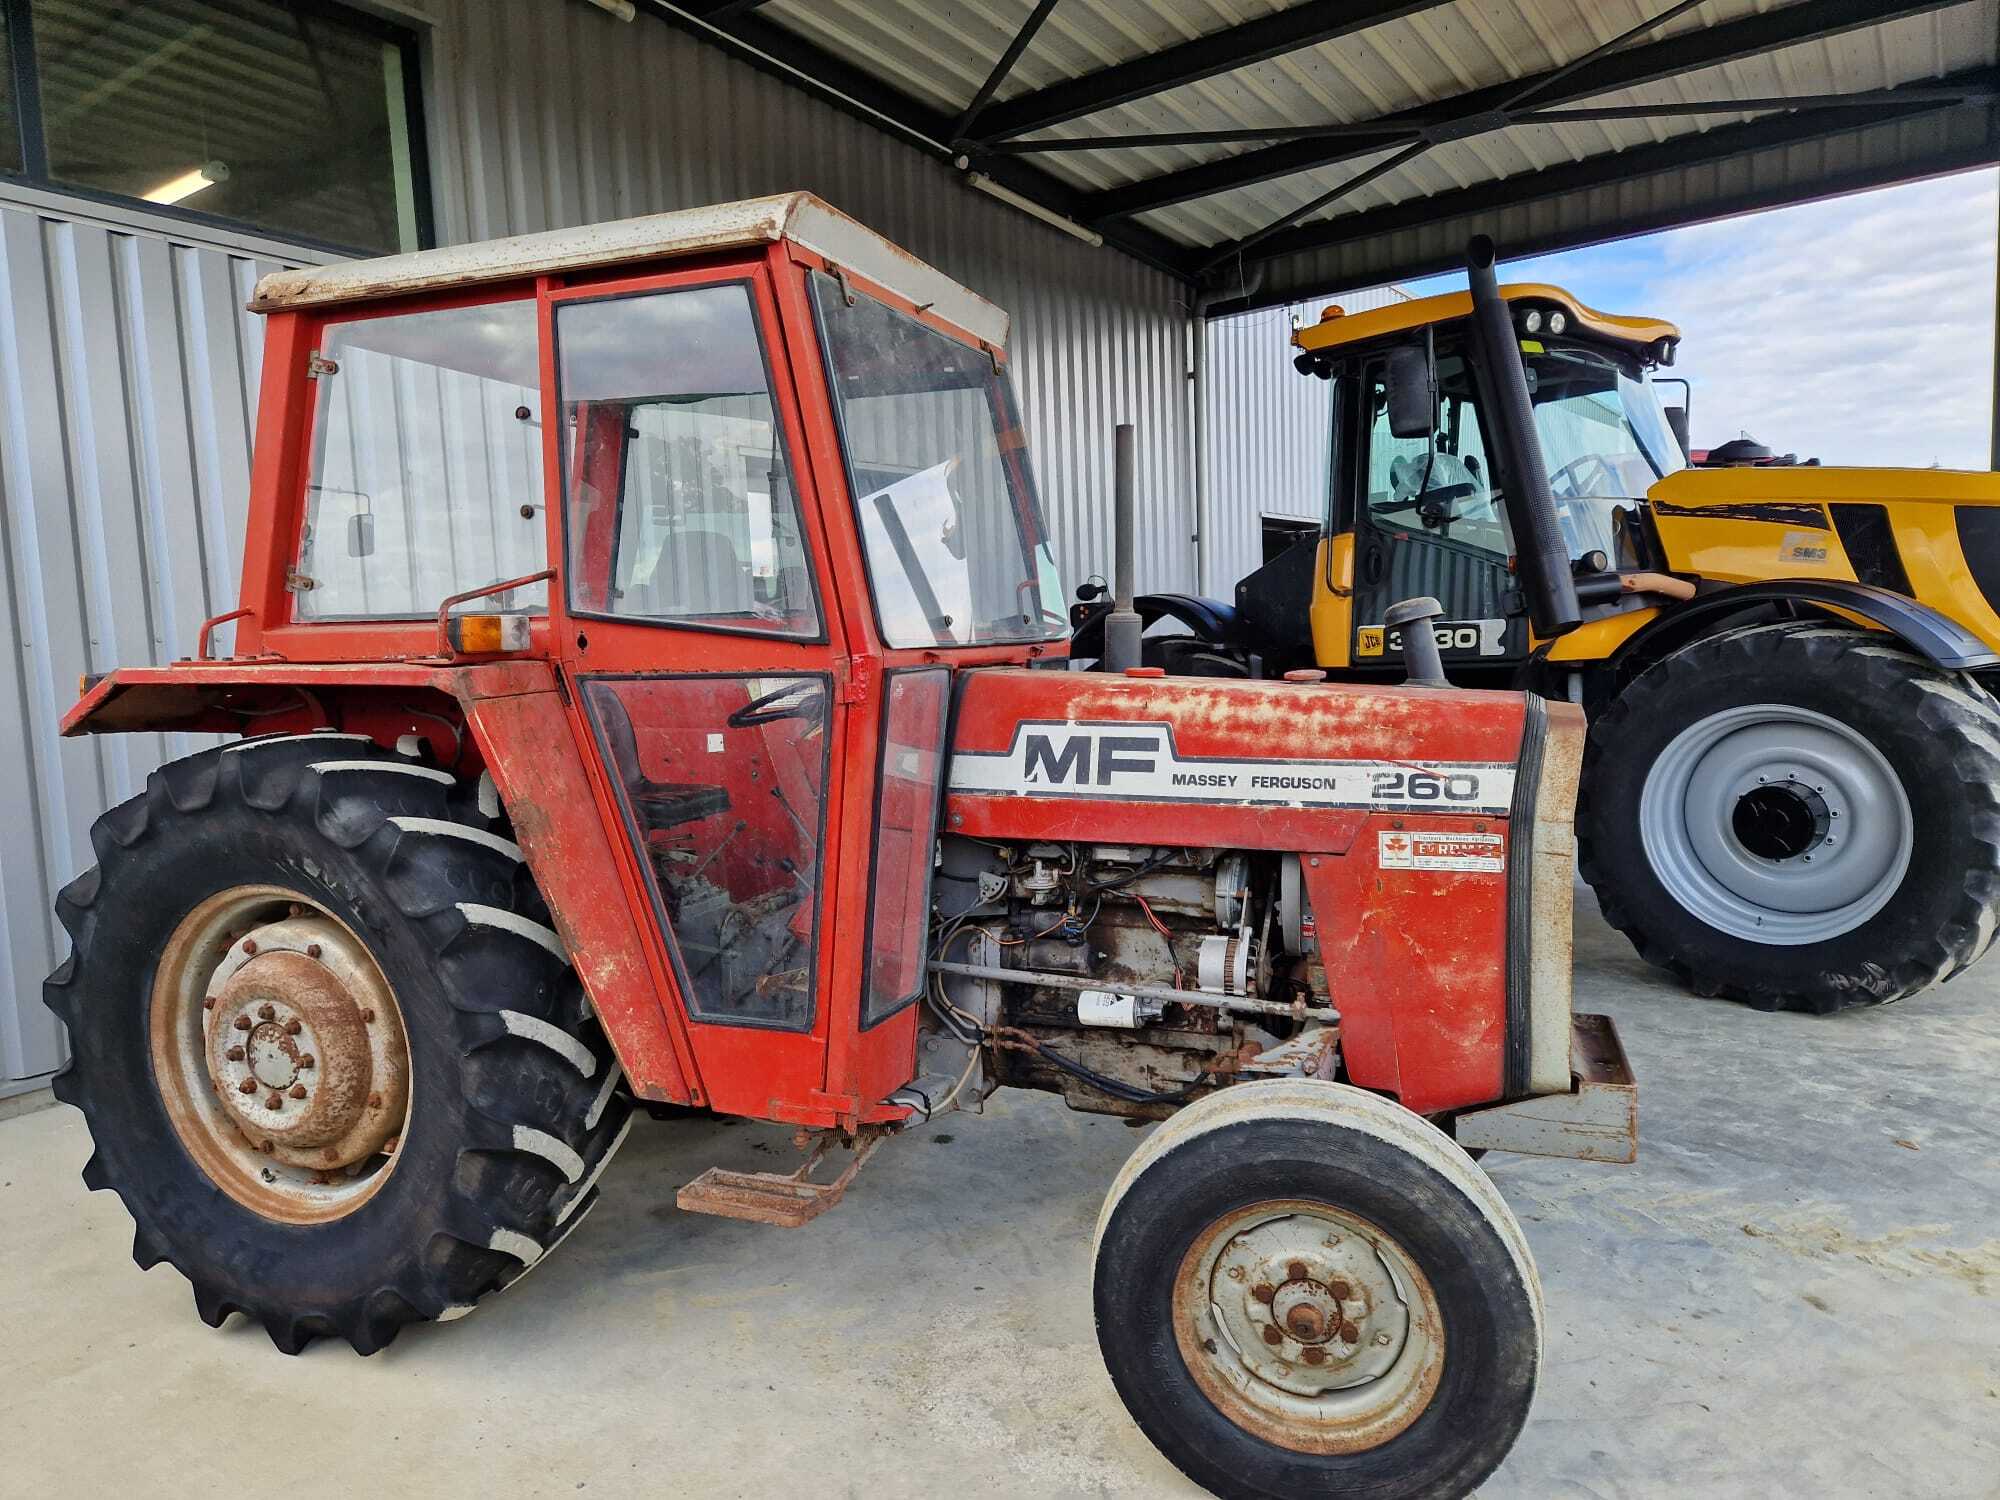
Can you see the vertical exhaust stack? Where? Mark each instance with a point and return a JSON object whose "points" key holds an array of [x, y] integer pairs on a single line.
{"points": [[1541, 554], [1122, 625]]}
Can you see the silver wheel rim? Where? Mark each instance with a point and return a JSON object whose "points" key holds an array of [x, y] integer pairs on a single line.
{"points": [[1308, 1326], [1776, 824]]}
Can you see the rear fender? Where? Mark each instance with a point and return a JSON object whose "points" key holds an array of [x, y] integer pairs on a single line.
{"points": [[1936, 637], [508, 718]]}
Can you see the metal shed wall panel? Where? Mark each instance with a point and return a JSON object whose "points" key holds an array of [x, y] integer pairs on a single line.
{"points": [[128, 372], [548, 115], [1267, 429]]}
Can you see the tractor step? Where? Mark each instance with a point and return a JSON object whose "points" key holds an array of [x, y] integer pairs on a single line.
{"points": [[787, 1200]]}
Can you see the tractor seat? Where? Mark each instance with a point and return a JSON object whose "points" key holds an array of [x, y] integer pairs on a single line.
{"points": [[658, 805]]}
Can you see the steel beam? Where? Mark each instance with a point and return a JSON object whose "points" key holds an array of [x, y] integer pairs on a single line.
{"points": [[1485, 108], [1290, 30], [791, 58]]}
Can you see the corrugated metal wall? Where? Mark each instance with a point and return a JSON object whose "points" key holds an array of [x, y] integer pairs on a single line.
{"points": [[128, 372], [1267, 429]]}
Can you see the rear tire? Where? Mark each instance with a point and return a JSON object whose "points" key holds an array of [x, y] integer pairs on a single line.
{"points": [[513, 1105], [1282, 1220], [1713, 782]]}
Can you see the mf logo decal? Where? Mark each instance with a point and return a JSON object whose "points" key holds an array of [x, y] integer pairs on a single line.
{"points": [[1129, 762], [1465, 637]]}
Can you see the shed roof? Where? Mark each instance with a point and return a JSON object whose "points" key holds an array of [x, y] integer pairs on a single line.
{"points": [[1278, 149], [799, 217]]}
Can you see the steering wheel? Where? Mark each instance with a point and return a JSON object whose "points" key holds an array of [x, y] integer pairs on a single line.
{"points": [[1577, 471], [769, 708]]}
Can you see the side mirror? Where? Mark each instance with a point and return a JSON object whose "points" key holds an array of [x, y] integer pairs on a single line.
{"points": [[1412, 393], [361, 534]]}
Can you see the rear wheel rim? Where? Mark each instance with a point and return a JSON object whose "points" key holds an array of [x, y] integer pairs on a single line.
{"points": [[1308, 1327], [1776, 824], [280, 1054]]}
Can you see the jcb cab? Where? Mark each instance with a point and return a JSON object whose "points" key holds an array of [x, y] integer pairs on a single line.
{"points": [[649, 686]]}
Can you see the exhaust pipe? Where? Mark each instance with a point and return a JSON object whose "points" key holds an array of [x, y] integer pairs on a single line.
{"points": [[1541, 554], [1122, 626]]}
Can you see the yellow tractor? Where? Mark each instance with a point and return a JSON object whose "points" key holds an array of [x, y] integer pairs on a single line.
{"points": [[1791, 792]]}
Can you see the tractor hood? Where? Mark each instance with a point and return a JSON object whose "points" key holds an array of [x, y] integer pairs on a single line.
{"points": [[1811, 485]]}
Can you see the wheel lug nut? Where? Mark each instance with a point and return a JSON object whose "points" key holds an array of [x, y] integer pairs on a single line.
{"points": [[234, 1054], [275, 1101], [298, 1091], [374, 1101], [293, 1027], [1315, 1356], [267, 1013], [1297, 1271], [208, 1003], [305, 1060], [1341, 1291], [1271, 1335], [242, 1023], [368, 1016], [1263, 1292], [1349, 1334], [250, 945], [267, 1147], [247, 1086], [312, 950]]}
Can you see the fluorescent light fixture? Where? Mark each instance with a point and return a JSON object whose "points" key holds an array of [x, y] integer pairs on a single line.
{"points": [[207, 175], [1033, 209]]}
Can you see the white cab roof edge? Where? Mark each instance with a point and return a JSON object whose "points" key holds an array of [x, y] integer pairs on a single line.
{"points": [[801, 217]]}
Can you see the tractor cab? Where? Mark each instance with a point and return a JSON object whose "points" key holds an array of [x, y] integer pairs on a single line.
{"points": [[1416, 503]]}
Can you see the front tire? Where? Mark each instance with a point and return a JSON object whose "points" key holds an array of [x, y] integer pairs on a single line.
{"points": [[1797, 816], [331, 1058], [1303, 1290]]}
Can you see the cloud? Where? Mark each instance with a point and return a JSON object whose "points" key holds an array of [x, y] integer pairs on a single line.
{"points": [[1858, 330]]}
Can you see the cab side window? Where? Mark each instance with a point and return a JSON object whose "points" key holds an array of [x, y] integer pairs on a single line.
{"points": [[1441, 486]]}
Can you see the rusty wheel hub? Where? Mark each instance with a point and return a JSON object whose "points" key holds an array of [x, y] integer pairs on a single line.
{"points": [[1308, 1326], [280, 1054]]}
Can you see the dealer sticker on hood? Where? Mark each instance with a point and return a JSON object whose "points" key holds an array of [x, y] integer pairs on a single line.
{"points": [[1403, 849]]}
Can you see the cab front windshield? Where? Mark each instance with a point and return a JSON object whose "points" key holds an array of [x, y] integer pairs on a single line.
{"points": [[1604, 437], [1605, 442], [956, 548]]}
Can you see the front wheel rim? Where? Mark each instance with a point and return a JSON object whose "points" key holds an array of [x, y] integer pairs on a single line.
{"points": [[280, 1054], [1776, 824], [1308, 1327]]}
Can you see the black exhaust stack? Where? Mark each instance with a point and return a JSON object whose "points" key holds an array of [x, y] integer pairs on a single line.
{"points": [[1541, 555]]}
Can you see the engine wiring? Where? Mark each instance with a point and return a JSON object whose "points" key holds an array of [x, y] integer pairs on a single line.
{"points": [[971, 1032]]}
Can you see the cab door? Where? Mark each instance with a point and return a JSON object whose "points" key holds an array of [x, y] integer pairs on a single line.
{"points": [[1429, 520], [706, 658]]}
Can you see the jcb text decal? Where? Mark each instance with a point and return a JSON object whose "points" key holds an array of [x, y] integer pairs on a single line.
{"points": [[1129, 762]]}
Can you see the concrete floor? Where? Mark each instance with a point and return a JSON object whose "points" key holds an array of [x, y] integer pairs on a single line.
{"points": [[1796, 1292]]}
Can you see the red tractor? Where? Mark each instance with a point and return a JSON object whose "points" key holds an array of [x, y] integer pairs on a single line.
{"points": [[651, 686]]}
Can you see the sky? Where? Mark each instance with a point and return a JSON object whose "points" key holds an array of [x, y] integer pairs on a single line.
{"points": [[1857, 330]]}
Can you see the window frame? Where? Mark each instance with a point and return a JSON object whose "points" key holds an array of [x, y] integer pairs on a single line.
{"points": [[17, 19], [837, 410], [763, 319], [947, 705], [300, 492], [635, 839]]}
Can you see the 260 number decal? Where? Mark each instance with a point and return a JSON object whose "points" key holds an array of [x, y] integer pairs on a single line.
{"points": [[1424, 786]]}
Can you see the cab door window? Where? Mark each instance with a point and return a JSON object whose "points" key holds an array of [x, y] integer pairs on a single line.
{"points": [[679, 502], [1442, 486]]}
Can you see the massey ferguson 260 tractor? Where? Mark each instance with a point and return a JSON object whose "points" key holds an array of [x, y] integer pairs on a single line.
{"points": [[650, 685]]}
